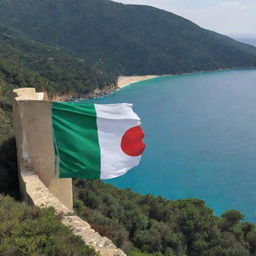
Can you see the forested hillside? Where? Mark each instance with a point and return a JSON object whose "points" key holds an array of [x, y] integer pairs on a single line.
{"points": [[77, 46], [127, 39], [25, 63], [31, 231], [149, 225]]}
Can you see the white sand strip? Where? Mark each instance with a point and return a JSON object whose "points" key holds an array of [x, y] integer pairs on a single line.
{"points": [[125, 80]]}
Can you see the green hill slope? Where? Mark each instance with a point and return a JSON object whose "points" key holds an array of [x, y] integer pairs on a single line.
{"points": [[31, 231], [127, 39], [152, 226], [49, 67], [25, 63]]}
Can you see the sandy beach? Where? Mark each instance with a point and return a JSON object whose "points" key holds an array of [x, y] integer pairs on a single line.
{"points": [[121, 82], [125, 80]]}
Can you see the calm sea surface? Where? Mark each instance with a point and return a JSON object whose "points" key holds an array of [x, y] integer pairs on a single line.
{"points": [[201, 138]]}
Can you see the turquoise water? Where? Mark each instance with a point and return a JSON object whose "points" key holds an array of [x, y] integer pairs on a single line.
{"points": [[200, 136]]}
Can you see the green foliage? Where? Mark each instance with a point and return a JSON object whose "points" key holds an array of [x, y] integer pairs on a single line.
{"points": [[28, 63], [30, 231], [232, 217], [152, 226], [108, 39], [25, 63], [126, 39]]}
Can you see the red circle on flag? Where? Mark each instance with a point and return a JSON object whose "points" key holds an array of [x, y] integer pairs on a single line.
{"points": [[131, 143]]}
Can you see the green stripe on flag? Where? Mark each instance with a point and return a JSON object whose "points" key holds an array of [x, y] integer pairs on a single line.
{"points": [[76, 140]]}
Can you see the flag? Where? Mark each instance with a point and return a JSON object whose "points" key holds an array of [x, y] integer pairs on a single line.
{"points": [[96, 141]]}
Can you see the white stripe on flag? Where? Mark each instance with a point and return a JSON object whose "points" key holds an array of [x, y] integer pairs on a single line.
{"points": [[113, 120]]}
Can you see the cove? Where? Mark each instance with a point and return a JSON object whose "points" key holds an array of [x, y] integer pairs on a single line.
{"points": [[201, 138]]}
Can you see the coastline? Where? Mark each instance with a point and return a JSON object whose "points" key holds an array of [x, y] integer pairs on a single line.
{"points": [[126, 80], [123, 81]]}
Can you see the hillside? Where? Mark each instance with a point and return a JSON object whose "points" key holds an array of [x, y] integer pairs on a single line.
{"points": [[74, 47], [62, 72], [25, 63], [153, 226], [126, 39], [31, 231]]}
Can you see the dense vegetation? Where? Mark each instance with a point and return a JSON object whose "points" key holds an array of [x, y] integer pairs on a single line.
{"points": [[30, 231], [148, 225], [127, 39], [108, 39], [25, 63]]}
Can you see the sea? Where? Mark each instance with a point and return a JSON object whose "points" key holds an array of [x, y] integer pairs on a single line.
{"points": [[200, 135]]}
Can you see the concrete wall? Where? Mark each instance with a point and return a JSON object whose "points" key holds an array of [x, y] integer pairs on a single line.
{"points": [[33, 131], [35, 152], [36, 193]]}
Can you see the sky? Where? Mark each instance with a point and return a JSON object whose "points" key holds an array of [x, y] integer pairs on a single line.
{"points": [[223, 16]]}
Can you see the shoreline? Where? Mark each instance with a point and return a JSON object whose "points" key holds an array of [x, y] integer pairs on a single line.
{"points": [[124, 81], [127, 80]]}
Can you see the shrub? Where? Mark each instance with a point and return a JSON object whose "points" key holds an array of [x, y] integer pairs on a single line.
{"points": [[31, 231], [153, 226]]}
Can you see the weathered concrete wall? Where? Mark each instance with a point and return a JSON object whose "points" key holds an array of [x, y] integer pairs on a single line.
{"points": [[38, 185], [36, 193], [33, 131]]}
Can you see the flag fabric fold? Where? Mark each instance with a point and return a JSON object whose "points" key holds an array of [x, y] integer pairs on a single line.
{"points": [[96, 141]]}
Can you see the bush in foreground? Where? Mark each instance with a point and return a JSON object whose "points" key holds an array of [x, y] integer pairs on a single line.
{"points": [[149, 225], [31, 231]]}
